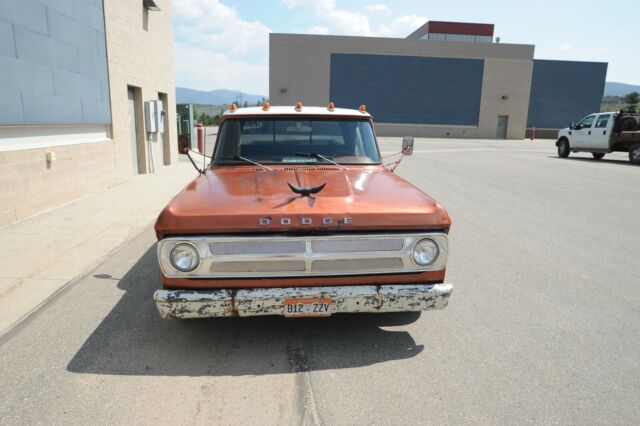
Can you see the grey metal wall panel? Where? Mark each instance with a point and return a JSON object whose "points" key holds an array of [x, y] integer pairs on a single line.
{"points": [[42, 108], [64, 6], [409, 89], [564, 91], [54, 48], [29, 14], [95, 111], [34, 47], [74, 85], [11, 107], [25, 76], [64, 28], [7, 44]]}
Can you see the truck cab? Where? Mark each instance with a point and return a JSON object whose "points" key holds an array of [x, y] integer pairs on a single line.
{"points": [[297, 215], [600, 134]]}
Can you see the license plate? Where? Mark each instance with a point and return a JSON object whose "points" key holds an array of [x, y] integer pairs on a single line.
{"points": [[307, 307]]}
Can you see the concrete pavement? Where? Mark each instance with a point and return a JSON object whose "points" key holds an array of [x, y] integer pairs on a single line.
{"points": [[542, 326], [39, 255]]}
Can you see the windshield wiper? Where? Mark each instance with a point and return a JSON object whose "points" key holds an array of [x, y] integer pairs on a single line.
{"points": [[319, 157], [247, 160]]}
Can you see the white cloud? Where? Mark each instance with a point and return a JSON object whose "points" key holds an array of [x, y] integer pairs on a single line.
{"points": [[338, 21], [378, 8], [201, 69], [401, 26], [216, 25], [318, 30], [565, 47], [215, 48], [344, 22]]}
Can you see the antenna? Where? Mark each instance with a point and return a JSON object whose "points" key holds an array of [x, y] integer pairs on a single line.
{"points": [[204, 147]]}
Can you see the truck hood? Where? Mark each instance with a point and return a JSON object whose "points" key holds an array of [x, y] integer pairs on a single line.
{"points": [[249, 199]]}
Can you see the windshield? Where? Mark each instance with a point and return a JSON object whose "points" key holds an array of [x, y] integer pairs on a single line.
{"points": [[274, 141]]}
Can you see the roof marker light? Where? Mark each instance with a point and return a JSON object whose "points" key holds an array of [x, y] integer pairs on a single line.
{"points": [[266, 106], [298, 106], [233, 107], [331, 106], [363, 108]]}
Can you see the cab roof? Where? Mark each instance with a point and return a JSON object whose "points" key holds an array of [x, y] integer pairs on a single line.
{"points": [[292, 111]]}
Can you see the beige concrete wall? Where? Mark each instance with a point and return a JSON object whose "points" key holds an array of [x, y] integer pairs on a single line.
{"points": [[29, 185], [299, 68], [140, 54]]}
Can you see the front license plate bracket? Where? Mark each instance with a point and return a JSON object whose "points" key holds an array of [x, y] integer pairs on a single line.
{"points": [[307, 307]]}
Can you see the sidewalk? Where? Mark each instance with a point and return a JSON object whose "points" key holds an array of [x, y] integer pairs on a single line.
{"points": [[39, 255]]}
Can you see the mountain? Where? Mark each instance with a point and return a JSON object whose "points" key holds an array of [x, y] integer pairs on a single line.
{"points": [[214, 97], [619, 89]]}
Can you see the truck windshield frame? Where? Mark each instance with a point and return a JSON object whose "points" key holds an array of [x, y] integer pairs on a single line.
{"points": [[280, 140]]}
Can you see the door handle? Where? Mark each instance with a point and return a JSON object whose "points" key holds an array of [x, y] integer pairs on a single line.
{"points": [[589, 131], [604, 132]]}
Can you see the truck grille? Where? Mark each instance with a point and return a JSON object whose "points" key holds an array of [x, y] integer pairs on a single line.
{"points": [[295, 256]]}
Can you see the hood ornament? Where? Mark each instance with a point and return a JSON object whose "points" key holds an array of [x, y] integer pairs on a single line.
{"points": [[302, 192], [306, 192]]}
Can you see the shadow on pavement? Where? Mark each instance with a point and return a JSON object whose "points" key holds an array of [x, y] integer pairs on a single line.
{"points": [[604, 160], [134, 340]]}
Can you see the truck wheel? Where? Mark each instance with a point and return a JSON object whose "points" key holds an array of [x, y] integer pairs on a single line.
{"points": [[628, 124], [598, 155], [563, 148], [634, 153]]}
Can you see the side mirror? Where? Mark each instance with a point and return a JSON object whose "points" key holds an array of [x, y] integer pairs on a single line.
{"points": [[185, 147], [572, 126], [407, 145], [183, 144]]}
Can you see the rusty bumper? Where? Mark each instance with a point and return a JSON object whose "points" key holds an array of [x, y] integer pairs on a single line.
{"points": [[271, 301]]}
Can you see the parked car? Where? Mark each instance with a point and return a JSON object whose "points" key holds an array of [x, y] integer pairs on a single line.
{"points": [[296, 215], [602, 133]]}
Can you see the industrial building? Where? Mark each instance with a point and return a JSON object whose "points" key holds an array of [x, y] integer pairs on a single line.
{"points": [[446, 79], [75, 80]]}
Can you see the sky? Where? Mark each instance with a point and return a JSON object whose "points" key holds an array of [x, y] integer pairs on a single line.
{"points": [[223, 44]]}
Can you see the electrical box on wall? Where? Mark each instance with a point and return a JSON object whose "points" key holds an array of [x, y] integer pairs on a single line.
{"points": [[154, 116], [150, 116], [160, 116]]}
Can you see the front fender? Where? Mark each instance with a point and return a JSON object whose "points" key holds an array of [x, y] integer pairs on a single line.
{"points": [[563, 133]]}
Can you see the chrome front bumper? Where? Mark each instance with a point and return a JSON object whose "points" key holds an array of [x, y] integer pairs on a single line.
{"points": [[271, 301]]}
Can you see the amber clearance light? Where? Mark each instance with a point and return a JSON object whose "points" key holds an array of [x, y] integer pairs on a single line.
{"points": [[331, 106], [233, 107], [266, 106], [298, 106], [363, 108]]}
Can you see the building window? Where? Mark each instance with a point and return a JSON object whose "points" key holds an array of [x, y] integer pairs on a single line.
{"points": [[436, 36], [458, 37]]}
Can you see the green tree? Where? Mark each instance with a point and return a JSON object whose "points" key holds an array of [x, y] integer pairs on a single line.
{"points": [[632, 98]]}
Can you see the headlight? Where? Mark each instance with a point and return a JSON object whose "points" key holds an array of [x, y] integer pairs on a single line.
{"points": [[184, 257], [425, 252]]}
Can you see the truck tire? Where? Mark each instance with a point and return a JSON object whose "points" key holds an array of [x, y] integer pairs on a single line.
{"points": [[598, 155], [563, 148], [628, 124], [634, 153]]}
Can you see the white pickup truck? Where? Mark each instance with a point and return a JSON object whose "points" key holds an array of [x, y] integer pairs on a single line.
{"points": [[602, 133]]}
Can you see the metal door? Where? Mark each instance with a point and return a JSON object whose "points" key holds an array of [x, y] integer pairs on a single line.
{"points": [[133, 133], [583, 131], [503, 124], [599, 137]]}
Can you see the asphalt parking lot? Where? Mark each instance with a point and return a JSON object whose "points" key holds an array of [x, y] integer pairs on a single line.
{"points": [[543, 325]]}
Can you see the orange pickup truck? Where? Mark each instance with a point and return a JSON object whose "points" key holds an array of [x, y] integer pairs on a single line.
{"points": [[297, 215]]}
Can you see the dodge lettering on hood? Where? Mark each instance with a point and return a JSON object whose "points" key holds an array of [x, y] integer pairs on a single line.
{"points": [[297, 215]]}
